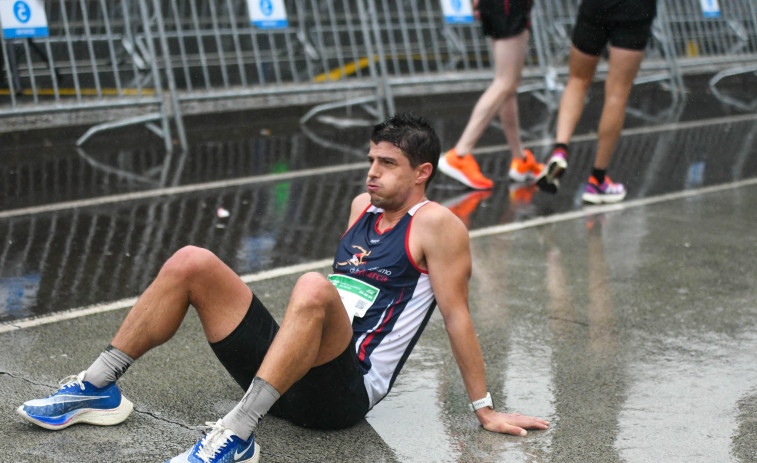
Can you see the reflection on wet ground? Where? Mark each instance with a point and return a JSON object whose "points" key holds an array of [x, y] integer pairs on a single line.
{"points": [[80, 227], [625, 329], [631, 328]]}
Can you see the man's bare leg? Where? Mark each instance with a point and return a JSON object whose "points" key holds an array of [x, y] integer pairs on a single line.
{"points": [[624, 65], [315, 330], [509, 58], [191, 276], [582, 68]]}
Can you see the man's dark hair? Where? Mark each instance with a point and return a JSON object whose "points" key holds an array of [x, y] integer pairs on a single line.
{"points": [[414, 136]]}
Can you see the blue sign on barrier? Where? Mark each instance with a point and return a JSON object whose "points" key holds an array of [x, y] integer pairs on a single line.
{"points": [[710, 8], [23, 19], [267, 14], [457, 11]]}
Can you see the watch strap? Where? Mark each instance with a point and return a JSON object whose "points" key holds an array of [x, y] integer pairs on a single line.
{"points": [[481, 403]]}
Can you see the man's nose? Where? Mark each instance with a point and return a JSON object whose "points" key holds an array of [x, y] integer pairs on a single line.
{"points": [[373, 171]]}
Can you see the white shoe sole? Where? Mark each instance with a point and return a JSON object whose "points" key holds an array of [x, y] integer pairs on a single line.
{"points": [[593, 198], [556, 168], [98, 417], [517, 177], [255, 457], [549, 179]]}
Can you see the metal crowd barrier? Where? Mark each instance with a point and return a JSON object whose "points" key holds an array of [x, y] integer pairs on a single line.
{"points": [[154, 61], [725, 43], [739, 39], [87, 69], [218, 57]]}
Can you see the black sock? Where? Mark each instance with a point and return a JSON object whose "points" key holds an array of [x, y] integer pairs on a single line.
{"points": [[599, 174], [561, 146]]}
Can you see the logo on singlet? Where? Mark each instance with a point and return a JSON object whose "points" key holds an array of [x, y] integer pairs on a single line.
{"points": [[358, 258]]}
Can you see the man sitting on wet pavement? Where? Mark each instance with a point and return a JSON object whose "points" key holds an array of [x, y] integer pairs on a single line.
{"points": [[343, 338]]}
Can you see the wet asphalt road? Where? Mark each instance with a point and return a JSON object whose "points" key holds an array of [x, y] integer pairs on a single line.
{"points": [[631, 328]]}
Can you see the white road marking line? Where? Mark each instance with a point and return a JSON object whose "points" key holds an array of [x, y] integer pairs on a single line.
{"points": [[256, 179], [325, 263]]}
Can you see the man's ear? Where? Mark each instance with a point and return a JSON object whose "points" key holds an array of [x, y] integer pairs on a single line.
{"points": [[423, 172]]}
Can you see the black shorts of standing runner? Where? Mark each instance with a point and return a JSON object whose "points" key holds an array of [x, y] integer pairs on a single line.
{"points": [[621, 23], [501, 19]]}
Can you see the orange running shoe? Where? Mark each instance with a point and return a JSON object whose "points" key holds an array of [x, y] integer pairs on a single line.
{"points": [[465, 170], [524, 169]]}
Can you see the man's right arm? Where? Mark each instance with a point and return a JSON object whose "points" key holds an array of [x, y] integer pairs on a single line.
{"points": [[446, 252]]}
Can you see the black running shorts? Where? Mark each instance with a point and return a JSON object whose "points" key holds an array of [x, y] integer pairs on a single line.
{"points": [[330, 396], [501, 19], [591, 34]]}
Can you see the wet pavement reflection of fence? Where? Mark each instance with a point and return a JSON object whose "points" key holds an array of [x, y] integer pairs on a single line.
{"points": [[96, 243], [95, 254]]}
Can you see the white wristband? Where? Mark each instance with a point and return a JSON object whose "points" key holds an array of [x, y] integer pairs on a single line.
{"points": [[481, 403]]}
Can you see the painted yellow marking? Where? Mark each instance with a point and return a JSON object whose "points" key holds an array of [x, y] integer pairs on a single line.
{"points": [[85, 91]]}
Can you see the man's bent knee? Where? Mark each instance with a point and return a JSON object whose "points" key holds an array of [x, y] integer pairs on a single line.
{"points": [[316, 289], [188, 262], [316, 298]]}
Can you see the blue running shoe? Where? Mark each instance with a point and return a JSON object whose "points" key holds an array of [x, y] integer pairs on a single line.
{"points": [[220, 445], [78, 401]]}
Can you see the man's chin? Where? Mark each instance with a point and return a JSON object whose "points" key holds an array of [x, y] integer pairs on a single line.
{"points": [[376, 200]]}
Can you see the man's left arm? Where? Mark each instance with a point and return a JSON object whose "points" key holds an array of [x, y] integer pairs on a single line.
{"points": [[447, 256]]}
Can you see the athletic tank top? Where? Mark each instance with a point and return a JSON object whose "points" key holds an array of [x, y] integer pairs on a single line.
{"points": [[384, 336]]}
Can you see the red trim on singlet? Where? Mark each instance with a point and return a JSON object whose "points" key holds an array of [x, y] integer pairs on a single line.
{"points": [[407, 241], [357, 220], [369, 338], [407, 246], [507, 7], [407, 234], [376, 227]]}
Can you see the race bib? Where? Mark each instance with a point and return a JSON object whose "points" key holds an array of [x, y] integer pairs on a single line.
{"points": [[357, 296]]}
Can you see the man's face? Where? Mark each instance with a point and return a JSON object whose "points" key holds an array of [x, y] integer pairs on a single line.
{"points": [[391, 178]]}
